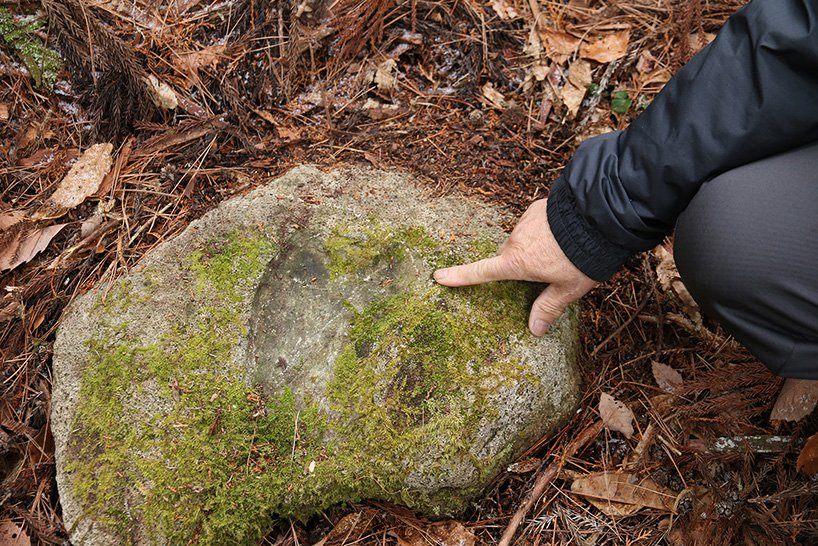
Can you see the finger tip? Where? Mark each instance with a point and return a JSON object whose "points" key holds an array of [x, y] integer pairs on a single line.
{"points": [[440, 275], [539, 327]]}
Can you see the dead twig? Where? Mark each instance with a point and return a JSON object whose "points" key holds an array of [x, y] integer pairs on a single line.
{"points": [[545, 478]]}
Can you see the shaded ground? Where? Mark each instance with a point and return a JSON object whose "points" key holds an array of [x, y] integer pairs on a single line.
{"points": [[474, 95]]}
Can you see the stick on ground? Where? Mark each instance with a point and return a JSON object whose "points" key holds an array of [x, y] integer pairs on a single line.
{"points": [[545, 478]]}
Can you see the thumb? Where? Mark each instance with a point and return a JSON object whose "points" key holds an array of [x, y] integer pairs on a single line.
{"points": [[546, 309]]}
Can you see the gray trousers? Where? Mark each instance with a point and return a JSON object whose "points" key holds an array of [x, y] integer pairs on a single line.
{"points": [[747, 249]]}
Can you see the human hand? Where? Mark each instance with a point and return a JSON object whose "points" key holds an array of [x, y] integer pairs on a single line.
{"points": [[531, 253]]}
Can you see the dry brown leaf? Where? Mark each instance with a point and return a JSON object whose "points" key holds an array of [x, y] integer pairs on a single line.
{"points": [[192, 61], [447, 533], [662, 403], [808, 458], [266, 116], [646, 62], [45, 156], [797, 399], [648, 70], [615, 509], [162, 95], [385, 76], [579, 74], [187, 131], [9, 218], [622, 493], [669, 279], [25, 244], [607, 47], [12, 534], [534, 46], [9, 311], [290, 134], [666, 377], [452, 533], [559, 46], [84, 177], [539, 72], [349, 528], [616, 415], [503, 10], [572, 96], [4, 112], [525, 466], [112, 177], [698, 41], [579, 78], [494, 97]]}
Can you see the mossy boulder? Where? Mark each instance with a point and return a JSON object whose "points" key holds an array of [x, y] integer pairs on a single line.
{"points": [[288, 352]]}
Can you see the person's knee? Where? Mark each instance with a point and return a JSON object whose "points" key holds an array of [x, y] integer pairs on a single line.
{"points": [[709, 253]]}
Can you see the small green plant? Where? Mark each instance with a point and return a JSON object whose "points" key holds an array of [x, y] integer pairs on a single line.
{"points": [[20, 33], [593, 89], [620, 102]]}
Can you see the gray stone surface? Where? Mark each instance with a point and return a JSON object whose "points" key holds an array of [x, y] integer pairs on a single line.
{"points": [[289, 351]]}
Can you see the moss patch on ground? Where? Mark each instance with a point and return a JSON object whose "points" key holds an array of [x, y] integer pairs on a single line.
{"points": [[221, 462]]}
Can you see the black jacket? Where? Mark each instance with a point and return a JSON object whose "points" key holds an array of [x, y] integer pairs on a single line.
{"points": [[753, 92]]}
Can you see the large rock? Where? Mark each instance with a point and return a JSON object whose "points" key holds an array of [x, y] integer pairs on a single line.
{"points": [[289, 351]]}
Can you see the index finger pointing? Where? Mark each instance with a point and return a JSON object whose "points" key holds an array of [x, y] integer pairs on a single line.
{"points": [[489, 269]]}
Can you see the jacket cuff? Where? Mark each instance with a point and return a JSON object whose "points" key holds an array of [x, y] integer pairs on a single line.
{"points": [[581, 242]]}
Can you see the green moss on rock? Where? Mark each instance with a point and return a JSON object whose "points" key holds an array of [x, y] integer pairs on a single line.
{"points": [[210, 450], [219, 462], [413, 377]]}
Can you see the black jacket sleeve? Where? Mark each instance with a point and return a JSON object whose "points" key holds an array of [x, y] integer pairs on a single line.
{"points": [[751, 93]]}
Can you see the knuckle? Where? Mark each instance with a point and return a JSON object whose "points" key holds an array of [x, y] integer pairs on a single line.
{"points": [[548, 306], [515, 259]]}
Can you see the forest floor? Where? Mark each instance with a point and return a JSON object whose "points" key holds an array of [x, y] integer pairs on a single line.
{"points": [[482, 97]]}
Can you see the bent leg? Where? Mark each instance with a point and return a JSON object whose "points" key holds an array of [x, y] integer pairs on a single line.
{"points": [[747, 249]]}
